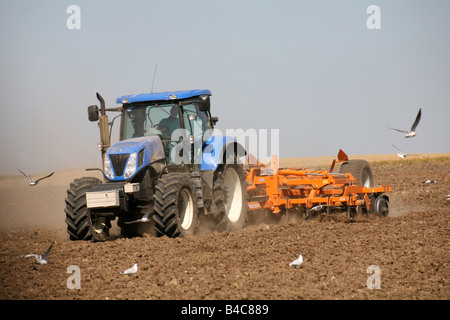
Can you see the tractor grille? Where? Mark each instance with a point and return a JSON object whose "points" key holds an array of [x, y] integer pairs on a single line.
{"points": [[118, 162]]}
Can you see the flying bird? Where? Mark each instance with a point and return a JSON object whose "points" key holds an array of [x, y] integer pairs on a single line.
{"points": [[32, 181], [143, 219], [42, 260], [402, 155], [131, 270], [412, 132], [298, 262]]}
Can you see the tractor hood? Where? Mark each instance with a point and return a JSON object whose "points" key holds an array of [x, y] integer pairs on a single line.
{"points": [[128, 157]]}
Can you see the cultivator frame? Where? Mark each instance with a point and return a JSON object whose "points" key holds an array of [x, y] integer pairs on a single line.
{"points": [[278, 190]]}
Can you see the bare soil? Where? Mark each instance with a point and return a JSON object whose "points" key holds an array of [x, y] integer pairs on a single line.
{"points": [[410, 247]]}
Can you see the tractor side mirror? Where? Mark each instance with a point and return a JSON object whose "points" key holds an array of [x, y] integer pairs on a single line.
{"points": [[205, 103], [93, 113]]}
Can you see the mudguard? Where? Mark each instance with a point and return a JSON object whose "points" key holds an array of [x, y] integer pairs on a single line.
{"points": [[217, 148]]}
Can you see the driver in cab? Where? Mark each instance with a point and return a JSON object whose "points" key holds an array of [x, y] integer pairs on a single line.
{"points": [[171, 123]]}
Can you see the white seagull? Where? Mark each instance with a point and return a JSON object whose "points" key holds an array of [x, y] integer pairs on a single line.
{"points": [[318, 208], [412, 132], [402, 155], [429, 181], [298, 262], [32, 181], [448, 197], [143, 219], [131, 270], [42, 260]]}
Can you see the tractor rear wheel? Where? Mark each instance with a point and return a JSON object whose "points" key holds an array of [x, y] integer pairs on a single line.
{"points": [[175, 205], [360, 170], [77, 214], [236, 197]]}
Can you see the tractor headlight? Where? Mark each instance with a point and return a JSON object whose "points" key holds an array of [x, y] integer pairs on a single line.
{"points": [[130, 169], [107, 169]]}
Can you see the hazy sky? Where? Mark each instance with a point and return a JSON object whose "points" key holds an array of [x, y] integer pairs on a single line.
{"points": [[312, 69]]}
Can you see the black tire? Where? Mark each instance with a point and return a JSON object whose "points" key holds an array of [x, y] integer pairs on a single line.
{"points": [[360, 170], [219, 194], [77, 214], [214, 219], [236, 206], [175, 204]]}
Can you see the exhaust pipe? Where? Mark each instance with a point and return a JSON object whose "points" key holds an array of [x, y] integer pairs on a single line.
{"points": [[103, 123], [102, 104]]}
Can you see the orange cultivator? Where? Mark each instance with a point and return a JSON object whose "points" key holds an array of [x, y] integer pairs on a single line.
{"points": [[278, 190]]}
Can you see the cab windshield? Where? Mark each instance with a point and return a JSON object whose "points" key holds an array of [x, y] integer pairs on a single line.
{"points": [[163, 119]]}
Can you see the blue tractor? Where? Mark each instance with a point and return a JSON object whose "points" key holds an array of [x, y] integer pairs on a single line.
{"points": [[170, 173]]}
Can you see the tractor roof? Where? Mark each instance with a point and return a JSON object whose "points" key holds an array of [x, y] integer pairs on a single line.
{"points": [[162, 96]]}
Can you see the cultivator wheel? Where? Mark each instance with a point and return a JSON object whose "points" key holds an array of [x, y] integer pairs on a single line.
{"points": [[382, 206], [360, 170]]}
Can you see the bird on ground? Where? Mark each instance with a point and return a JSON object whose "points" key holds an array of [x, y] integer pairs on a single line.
{"points": [[297, 262], [402, 155], [429, 181], [32, 181], [143, 219], [131, 270], [447, 197], [412, 132], [42, 260]]}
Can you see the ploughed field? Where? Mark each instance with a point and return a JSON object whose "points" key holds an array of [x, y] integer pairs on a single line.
{"points": [[409, 249]]}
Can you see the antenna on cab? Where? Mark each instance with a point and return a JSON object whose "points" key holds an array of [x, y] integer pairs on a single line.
{"points": [[154, 74]]}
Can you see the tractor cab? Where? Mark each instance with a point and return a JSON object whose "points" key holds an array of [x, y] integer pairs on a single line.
{"points": [[172, 119], [170, 126]]}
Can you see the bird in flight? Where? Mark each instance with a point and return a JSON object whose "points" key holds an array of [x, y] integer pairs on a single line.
{"points": [[42, 260], [32, 181], [143, 219], [412, 132], [402, 155]]}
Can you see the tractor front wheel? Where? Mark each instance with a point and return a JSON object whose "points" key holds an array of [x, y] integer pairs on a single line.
{"points": [[77, 214]]}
